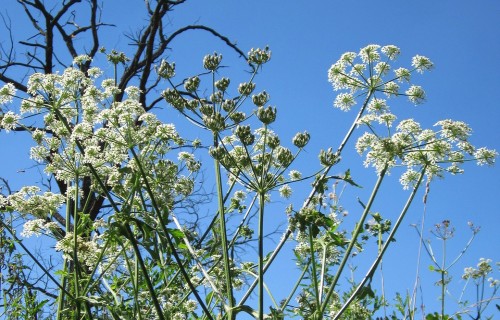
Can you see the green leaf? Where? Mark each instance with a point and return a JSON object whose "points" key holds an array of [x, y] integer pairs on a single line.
{"points": [[176, 233], [366, 291], [347, 178]]}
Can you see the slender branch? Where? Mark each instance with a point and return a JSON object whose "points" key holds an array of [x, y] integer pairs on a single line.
{"points": [[353, 240], [388, 241]]}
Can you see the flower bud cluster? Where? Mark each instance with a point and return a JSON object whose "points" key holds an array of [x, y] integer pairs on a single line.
{"points": [[301, 139], [266, 115], [222, 84], [328, 158], [192, 84], [260, 99], [215, 122], [116, 57], [174, 98], [245, 135], [211, 61], [166, 70], [259, 56], [245, 89]]}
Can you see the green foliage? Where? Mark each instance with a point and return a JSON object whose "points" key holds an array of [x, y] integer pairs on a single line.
{"points": [[128, 240]]}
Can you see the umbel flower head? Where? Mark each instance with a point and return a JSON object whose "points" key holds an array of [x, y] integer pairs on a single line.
{"points": [[438, 151], [368, 71]]}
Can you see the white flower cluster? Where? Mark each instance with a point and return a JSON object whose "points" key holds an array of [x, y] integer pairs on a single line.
{"points": [[29, 201], [87, 133], [88, 251], [372, 74], [445, 149], [483, 269], [37, 227]]}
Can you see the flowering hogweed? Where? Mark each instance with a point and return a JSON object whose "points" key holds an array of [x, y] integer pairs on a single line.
{"points": [[373, 75], [259, 56], [76, 144], [413, 147], [7, 93]]}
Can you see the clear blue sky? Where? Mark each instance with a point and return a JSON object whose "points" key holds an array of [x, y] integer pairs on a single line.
{"points": [[461, 37]]}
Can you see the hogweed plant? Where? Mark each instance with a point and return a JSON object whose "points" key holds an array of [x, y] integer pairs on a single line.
{"points": [[141, 257], [481, 278]]}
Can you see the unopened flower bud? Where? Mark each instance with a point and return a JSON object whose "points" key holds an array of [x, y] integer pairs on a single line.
{"points": [[228, 105], [216, 97], [215, 122], [116, 57], [328, 158], [284, 156], [206, 109], [191, 84], [266, 115], [246, 89], [218, 153], [166, 70], [237, 117], [174, 98], [192, 104], [260, 99], [245, 135], [211, 61], [222, 84], [301, 139], [259, 56], [273, 141]]}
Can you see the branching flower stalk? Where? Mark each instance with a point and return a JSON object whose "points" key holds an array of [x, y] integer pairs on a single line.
{"points": [[324, 174], [387, 242], [224, 244], [352, 241], [163, 225], [103, 149]]}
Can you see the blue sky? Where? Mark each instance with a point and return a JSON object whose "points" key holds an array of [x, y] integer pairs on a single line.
{"points": [[462, 38]]}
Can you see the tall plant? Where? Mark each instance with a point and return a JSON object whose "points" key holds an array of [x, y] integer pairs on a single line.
{"points": [[137, 258]]}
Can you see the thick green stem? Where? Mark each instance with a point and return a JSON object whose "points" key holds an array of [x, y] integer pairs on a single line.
{"points": [[314, 274], [372, 269], [352, 243], [288, 232], [129, 235], [76, 266], [163, 226], [223, 235], [443, 273], [261, 254], [62, 291]]}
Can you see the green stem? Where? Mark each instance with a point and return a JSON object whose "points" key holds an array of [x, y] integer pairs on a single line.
{"points": [[288, 232], [297, 284], [352, 243], [163, 226], [261, 254], [314, 274], [129, 235], [62, 291], [442, 293], [223, 235], [372, 269], [76, 266], [443, 270]]}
